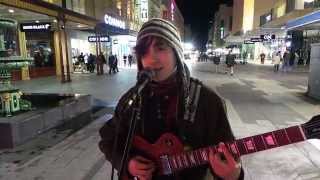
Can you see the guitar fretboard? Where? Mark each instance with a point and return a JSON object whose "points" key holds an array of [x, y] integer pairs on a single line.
{"points": [[238, 147]]}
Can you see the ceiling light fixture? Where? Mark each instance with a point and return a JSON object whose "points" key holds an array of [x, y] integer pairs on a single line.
{"points": [[11, 11]]}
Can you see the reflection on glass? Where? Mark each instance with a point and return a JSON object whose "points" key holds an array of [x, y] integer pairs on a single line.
{"points": [[8, 38], [56, 2], [40, 47]]}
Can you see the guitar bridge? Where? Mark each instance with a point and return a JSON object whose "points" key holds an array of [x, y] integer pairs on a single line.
{"points": [[166, 168]]}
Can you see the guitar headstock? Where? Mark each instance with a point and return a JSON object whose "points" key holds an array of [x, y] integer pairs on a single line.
{"points": [[312, 128]]}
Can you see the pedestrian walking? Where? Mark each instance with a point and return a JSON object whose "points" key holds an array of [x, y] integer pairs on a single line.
{"points": [[262, 57], [216, 61], [124, 60], [101, 60], [115, 64], [286, 60], [91, 62], [276, 61], [111, 63], [130, 60], [230, 61]]}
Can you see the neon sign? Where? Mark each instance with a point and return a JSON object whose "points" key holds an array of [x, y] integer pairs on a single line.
{"points": [[114, 22]]}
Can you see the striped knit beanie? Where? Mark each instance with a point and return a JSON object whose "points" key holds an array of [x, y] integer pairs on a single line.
{"points": [[166, 30]]}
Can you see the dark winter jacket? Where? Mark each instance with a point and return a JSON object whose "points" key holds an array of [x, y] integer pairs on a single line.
{"points": [[209, 127]]}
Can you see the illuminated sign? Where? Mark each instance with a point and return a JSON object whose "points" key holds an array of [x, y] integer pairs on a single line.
{"points": [[267, 37], [25, 27], [99, 38], [144, 10], [114, 22], [248, 42], [255, 40], [172, 11]]}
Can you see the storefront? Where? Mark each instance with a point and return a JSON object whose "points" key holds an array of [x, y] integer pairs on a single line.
{"points": [[122, 36], [37, 34], [309, 25], [267, 41], [40, 47], [79, 44], [27, 38]]}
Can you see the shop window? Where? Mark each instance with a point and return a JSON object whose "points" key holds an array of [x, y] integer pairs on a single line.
{"points": [[56, 2], [311, 4], [119, 7], [290, 5], [40, 47], [77, 6], [8, 38]]}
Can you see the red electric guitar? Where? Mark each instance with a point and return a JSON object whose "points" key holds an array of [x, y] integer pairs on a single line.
{"points": [[169, 157]]}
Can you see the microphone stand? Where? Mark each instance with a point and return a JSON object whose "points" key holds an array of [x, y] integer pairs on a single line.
{"points": [[136, 103]]}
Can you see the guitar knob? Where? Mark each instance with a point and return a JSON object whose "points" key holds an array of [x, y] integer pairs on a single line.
{"points": [[169, 142]]}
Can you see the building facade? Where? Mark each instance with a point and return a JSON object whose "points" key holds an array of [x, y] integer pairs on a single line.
{"points": [[259, 26], [172, 13], [223, 23], [50, 34]]}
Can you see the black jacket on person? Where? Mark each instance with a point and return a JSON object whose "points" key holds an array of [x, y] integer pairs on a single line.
{"points": [[201, 122]]}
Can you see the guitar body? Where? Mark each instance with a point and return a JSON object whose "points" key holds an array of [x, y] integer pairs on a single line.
{"points": [[167, 144]]}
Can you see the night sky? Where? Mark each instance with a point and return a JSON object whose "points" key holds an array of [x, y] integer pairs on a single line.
{"points": [[198, 13]]}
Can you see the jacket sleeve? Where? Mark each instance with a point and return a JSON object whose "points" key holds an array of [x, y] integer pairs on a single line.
{"points": [[116, 127], [221, 130], [217, 119]]}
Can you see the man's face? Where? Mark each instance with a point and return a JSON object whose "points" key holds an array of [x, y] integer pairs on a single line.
{"points": [[159, 57]]}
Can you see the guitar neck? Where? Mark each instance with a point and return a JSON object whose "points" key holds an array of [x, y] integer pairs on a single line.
{"points": [[238, 148]]}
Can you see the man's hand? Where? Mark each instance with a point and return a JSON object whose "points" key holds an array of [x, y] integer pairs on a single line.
{"points": [[227, 168], [141, 168]]}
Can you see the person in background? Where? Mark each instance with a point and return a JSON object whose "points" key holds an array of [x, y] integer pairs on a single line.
{"points": [[124, 60], [101, 60], [111, 63], [130, 60], [276, 61], [230, 61], [262, 57], [91, 62], [115, 65], [172, 102]]}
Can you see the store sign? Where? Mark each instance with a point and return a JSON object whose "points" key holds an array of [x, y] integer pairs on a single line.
{"points": [[32, 27], [99, 38], [172, 11], [144, 10], [248, 42], [268, 37], [114, 22], [255, 40]]}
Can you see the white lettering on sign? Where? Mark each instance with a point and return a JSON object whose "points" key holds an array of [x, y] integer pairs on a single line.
{"points": [[36, 27], [114, 22], [101, 38], [144, 10]]}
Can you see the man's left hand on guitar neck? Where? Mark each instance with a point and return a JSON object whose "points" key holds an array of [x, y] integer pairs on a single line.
{"points": [[225, 167]]}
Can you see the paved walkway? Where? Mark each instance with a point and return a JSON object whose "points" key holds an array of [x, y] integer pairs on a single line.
{"points": [[258, 101]]}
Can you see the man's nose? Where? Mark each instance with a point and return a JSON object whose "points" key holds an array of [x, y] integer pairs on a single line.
{"points": [[150, 57]]}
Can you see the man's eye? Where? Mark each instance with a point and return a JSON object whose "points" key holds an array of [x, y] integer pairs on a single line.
{"points": [[162, 47]]}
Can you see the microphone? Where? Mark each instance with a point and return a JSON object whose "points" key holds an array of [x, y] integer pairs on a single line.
{"points": [[144, 77]]}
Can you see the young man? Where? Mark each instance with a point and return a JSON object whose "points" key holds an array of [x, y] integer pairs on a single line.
{"points": [[172, 102]]}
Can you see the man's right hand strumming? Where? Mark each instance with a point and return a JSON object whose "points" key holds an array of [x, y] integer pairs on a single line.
{"points": [[141, 168]]}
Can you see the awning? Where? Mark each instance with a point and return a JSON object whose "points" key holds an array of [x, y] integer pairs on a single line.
{"points": [[282, 21], [305, 22], [232, 39]]}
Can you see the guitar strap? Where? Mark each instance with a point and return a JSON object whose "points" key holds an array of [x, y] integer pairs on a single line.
{"points": [[193, 100]]}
